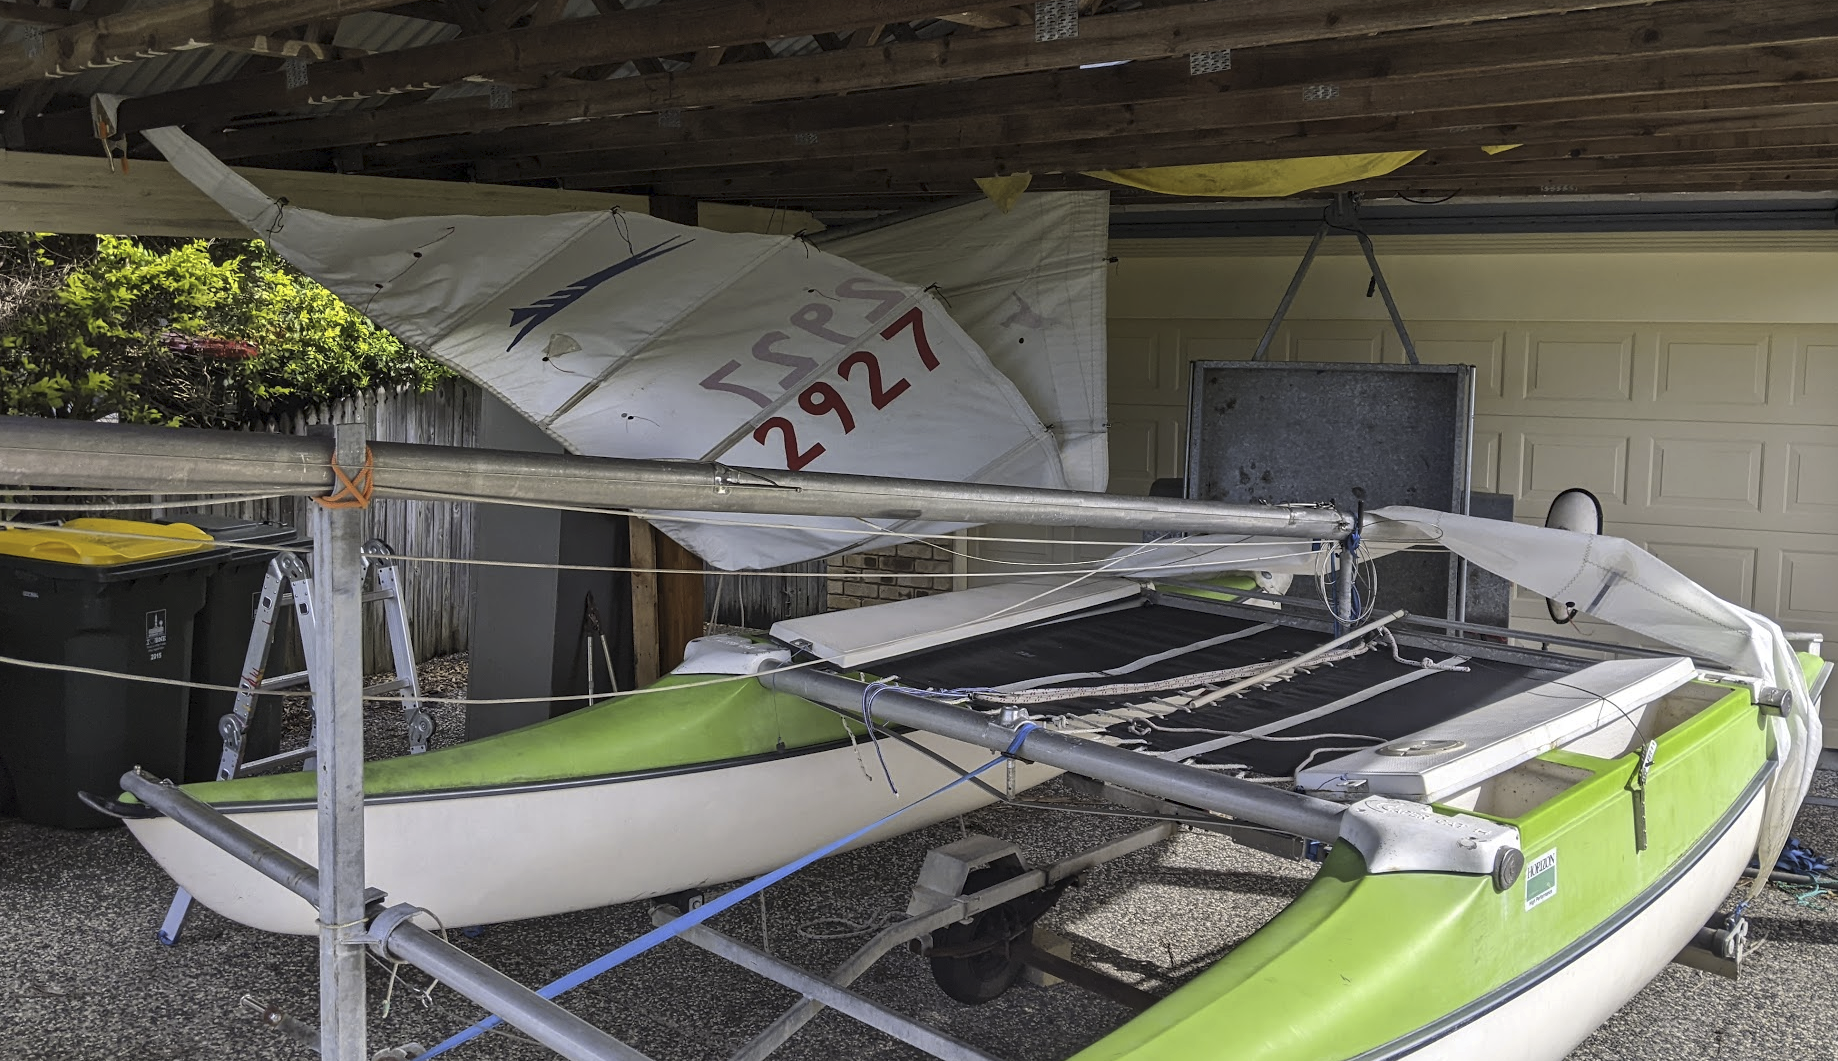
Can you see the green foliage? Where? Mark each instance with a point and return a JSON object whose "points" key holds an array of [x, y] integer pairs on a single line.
{"points": [[91, 326]]}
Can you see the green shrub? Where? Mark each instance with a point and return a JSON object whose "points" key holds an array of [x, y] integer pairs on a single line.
{"points": [[92, 326]]}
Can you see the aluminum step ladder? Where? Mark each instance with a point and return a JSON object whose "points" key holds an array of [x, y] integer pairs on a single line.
{"points": [[290, 570]]}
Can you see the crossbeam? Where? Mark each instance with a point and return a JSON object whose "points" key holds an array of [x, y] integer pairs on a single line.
{"points": [[128, 457]]}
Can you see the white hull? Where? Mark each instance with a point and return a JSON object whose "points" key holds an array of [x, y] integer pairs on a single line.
{"points": [[517, 854], [1547, 1021]]}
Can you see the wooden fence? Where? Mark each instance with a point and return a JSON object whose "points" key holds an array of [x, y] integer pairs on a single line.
{"points": [[438, 596]]}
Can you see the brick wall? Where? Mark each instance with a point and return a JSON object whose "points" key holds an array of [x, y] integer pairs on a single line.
{"points": [[904, 571]]}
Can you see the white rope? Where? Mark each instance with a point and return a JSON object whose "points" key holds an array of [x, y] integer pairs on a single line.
{"points": [[110, 506], [1100, 568], [1185, 681], [1132, 667]]}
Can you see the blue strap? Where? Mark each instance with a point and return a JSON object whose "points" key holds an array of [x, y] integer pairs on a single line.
{"points": [[726, 901], [1014, 746]]}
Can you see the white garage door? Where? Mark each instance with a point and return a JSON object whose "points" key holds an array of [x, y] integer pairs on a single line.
{"points": [[1712, 445]]}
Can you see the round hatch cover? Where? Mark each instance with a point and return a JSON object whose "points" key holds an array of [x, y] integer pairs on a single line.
{"points": [[1420, 747]]}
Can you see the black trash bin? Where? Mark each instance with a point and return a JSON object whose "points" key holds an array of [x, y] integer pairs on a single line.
{"points": [[220, 641], [94, 599]]}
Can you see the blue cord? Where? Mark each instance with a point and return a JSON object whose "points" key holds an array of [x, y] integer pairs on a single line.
{"points": [[709, 909]]}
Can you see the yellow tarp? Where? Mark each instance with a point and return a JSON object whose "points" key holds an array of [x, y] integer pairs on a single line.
{"points": [[1261, 180], [1267, 180], [1004, 191]]}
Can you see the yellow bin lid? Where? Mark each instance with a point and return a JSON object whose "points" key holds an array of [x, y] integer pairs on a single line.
{"points": [[103, 542]]}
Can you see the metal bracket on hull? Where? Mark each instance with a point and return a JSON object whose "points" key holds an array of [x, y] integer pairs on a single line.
{"points": [[1399, 836], [1719, 947]]}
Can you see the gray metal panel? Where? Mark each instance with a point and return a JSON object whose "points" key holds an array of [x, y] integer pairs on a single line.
{"points": [[1490, 597], [1284, 432]]}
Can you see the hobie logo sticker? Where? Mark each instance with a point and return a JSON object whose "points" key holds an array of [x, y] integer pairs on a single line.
{"points": [[1541, 879], [549, 305]]}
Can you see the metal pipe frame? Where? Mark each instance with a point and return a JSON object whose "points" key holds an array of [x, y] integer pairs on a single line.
{"points": [[815, 988], [399, 938], [37, 451], [909, 929], [1291, 812], [553, 1026], [337, 666]]}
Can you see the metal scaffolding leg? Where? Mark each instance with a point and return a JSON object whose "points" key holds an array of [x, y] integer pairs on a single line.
{"points": [[818, 990], [393, 933], [338, 712]]}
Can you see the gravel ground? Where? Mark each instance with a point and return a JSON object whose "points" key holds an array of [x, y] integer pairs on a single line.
{"points": [[83, 979]]}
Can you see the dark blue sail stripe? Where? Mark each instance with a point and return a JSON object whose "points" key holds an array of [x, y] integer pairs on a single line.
{"points": [[549, 305]]}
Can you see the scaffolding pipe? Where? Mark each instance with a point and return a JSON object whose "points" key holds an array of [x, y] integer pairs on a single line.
{"points": [[1291, 812], [817, 989], [547, 1022], [336, 669], [45, 452], [551, 1025], [276, 863]]}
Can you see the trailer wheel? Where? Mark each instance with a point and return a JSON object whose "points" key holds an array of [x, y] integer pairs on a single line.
{"points": [[979, 962]]}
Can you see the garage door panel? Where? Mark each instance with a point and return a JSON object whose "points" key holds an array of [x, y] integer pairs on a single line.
{"points": [[1807, 589], [1698, 474], [1484, 474], [1551, 462], [1137, 447], [1726, 570], [1812, 480], [1460, 343], [1136, 367], [1744, 478], [1337, 342], [1707, 368], [1813, 376], [1594, 367], [1222, 341]]}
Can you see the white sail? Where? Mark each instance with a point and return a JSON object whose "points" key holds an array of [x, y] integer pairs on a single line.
{"points": [[621, 335], [1029, 286]]}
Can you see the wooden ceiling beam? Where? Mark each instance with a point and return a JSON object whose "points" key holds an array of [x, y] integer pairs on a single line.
{"points": [[1038, 136], [30, 14], [127, 36], [1676, 29], [1154, 33], [812, 187], [532, 51], [1814, 156], [1204, 147]]}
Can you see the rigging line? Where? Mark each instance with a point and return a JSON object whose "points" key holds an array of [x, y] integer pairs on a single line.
{"points": [[1264, 731], [84, 491], [725, 679], [604, 568], [1175, 684], [1299, 661], [1131, 668], [107, 506]]}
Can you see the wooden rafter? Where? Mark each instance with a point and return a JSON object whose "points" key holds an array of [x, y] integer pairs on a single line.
{"points": [[1186, 128], [127, 36], [904, 100], [1541, 62], [1175, 30]]}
